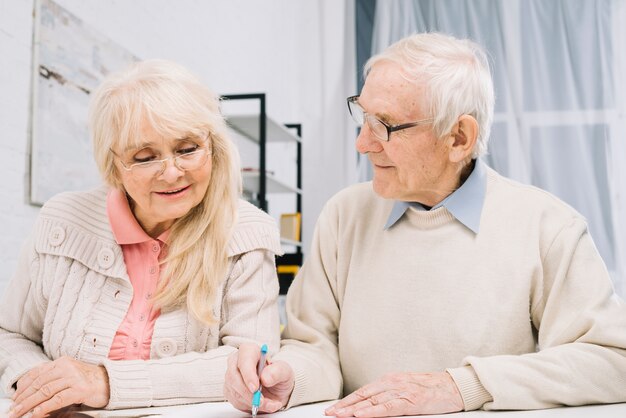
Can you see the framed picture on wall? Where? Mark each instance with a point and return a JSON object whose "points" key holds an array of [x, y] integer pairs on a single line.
{"points": [[69, 60]]}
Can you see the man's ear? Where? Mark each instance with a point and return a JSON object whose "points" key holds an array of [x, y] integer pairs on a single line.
{"points": [[463, 138]]}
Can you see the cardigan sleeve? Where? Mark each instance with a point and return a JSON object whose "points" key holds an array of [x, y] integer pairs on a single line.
{"points": [[581, 326], [250, 302], [21, 321], [249, 314], [309, 342]]}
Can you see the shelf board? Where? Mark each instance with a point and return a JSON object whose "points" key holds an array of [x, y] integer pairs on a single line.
{"points": [[290, 242], [251, 184], [248, 126]]}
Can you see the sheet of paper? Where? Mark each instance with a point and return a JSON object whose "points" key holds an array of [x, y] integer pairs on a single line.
{"points": [[225, 410]]}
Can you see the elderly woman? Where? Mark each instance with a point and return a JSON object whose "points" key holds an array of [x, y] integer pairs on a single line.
{"points": [[134, 294]]}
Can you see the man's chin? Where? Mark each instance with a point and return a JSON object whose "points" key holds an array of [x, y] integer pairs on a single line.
{"points": [[382, 190]]}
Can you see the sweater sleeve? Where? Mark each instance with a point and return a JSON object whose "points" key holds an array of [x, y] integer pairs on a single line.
{"points": [[581, 326], [249, 314], [309, 342], [21, 322]]}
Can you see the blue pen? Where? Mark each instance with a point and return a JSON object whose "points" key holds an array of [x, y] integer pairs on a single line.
{"points": [[256, 399]]}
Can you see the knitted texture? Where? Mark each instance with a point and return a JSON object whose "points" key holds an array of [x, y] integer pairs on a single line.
{"points": [[522, 315], [71, 292]]}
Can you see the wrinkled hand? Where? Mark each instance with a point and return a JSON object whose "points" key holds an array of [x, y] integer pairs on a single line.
{"points": [[242, 381], [399, 394], [57, 384]]}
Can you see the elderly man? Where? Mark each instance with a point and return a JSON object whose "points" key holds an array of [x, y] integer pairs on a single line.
{"points": [[441, 286]]}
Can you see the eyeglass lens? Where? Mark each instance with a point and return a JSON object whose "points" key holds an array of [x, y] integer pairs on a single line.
{"points": [[189, 161], [378, 129]]}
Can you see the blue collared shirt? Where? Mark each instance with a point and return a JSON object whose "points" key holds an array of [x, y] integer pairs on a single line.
{"points": [[465, 203]]}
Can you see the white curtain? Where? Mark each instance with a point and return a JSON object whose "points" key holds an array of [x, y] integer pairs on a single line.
{"points": [[559, 68]]}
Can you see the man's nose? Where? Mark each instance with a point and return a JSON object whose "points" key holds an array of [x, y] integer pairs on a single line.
{"points": [[366, 141]]}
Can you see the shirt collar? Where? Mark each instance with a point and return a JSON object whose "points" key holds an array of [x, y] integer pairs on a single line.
{"points": [[124, 225], [465, 203]]}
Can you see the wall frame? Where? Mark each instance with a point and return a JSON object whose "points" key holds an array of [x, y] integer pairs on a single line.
{"points": [[70, 59]]}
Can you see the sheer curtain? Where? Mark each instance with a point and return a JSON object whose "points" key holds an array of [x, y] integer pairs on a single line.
{"points": [[559, 70]]}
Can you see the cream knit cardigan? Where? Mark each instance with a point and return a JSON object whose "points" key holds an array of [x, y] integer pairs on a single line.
{"points": [[71, 292]]}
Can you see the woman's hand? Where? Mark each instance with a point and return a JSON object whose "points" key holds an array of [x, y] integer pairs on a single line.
{"points": [[277, 380], [57, 384]]}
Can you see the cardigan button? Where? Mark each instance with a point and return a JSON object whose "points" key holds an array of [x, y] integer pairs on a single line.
{"points": [[57, 236], [166, 348], [106, 258]]}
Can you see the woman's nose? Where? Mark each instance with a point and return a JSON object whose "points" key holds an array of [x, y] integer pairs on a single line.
{"points": [[171, 172]]}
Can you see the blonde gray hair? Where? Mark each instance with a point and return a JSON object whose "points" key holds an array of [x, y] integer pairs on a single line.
{"points": [[176, 104], [457, 77]]}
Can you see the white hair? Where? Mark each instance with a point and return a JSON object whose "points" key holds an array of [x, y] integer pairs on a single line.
{"points": [[456, 75]]}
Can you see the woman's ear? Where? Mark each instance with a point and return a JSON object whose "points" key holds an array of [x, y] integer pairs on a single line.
{"points": [[463, 138]]}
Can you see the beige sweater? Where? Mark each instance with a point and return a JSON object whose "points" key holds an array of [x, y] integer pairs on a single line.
{"points": [[523, 314], [71, 292]]}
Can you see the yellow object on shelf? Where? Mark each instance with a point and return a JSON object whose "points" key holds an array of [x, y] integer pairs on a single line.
{"points": [[287, 269], [290, 226]]}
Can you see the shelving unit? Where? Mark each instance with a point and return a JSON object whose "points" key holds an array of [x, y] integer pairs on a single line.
{"points": [[273, 185], [262, 129]]}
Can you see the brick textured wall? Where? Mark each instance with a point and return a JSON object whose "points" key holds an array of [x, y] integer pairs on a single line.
{"points": [[16, 215]]}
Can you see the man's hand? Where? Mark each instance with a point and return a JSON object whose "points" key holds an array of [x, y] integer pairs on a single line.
{"points": [[57, 384], [399, 394], [242, 381]]}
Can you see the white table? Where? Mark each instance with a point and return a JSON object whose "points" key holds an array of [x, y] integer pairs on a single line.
{"points": [[224, 410]]}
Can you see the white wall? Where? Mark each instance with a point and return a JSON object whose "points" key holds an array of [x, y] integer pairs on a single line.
{"points": [[296, 51], [16, 217]]}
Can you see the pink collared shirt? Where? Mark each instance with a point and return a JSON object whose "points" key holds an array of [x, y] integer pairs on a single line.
{"points": [[141, 256]]}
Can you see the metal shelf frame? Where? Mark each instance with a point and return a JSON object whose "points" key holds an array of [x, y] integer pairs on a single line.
{"points": [[262, 139]]}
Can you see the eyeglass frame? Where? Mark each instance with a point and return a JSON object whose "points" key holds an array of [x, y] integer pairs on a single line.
{"points": [[390, 128], [164, 160]]}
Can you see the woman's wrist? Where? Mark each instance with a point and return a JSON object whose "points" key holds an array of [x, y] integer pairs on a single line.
{"points": [[103, 391]]}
